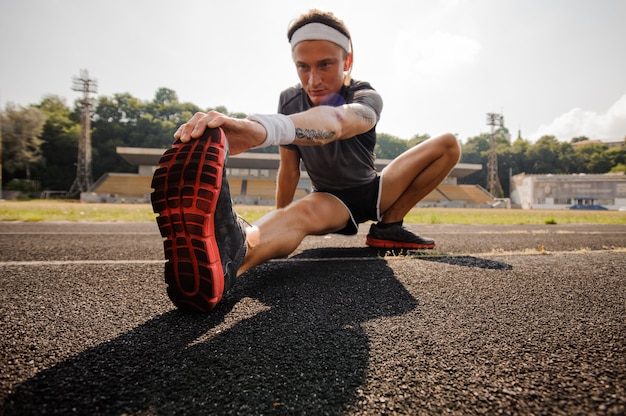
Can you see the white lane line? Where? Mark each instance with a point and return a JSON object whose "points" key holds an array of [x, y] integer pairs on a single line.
{"points": [[409, 256], [77, 233], [122, 262], [88, 262], [76, 262]]}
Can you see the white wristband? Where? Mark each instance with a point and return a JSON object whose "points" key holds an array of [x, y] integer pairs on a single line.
{"points": [[280, 129]]}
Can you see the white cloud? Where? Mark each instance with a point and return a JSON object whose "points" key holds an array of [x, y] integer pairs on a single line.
{"points": [[433, 54], [579, 122]]}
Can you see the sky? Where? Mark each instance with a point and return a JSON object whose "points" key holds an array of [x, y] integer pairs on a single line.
{"points": [[550, 67]]}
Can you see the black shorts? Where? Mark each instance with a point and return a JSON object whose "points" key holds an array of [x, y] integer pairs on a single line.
{"points": [[363, 203]]}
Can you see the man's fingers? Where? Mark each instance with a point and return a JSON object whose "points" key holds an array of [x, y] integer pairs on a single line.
{"points": [[188, 130], [215, 120], [184, 132], [178, 132], [196, 126], [211, 119]]}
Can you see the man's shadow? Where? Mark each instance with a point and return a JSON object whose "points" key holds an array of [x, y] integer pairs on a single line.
{"points": [[303, 352]]}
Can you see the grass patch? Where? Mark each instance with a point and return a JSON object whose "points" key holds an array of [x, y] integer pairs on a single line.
{"points": [[489, 216], [74, 211], [54, 210]]}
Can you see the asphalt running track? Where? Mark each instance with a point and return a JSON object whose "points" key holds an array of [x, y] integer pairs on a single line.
{"points": [[496, 320]]}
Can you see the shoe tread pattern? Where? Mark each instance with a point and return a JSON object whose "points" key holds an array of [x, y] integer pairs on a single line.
{"points": [[186, 189]]}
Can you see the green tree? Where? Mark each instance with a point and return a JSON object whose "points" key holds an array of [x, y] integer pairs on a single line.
{"points": [[417, 139], [579, 139], [21, 139], [125, 121], [476, 150], [165, 96], [152, 132], [166, 107], [388, 146], [599, 162], [121, 108], [113, 122], [60, 148], [569, 161], [617, 155], [593, 158], [544, 155], [519, 161], [619, 168]]}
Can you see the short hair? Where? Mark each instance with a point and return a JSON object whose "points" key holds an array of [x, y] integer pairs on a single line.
{"points": [[318, 16]]}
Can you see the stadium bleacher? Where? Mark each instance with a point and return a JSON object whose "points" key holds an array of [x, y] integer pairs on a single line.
{"points": [[258, 184]]}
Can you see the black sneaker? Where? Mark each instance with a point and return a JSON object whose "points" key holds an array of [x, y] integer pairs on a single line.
{"points": [[204, 239], [396, 236]]}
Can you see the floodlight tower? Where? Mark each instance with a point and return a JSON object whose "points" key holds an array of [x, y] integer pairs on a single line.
{"points": [[83, 180], [493, 182]]}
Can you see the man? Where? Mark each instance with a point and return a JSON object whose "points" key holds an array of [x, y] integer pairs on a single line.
{"points": [[328, 122]]}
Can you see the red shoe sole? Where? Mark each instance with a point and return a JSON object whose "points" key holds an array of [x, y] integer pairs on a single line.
{"points": [[373, 242], [186, 186]]}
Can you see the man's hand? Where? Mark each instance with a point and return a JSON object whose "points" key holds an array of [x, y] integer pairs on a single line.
{"points": [[242, 134]]}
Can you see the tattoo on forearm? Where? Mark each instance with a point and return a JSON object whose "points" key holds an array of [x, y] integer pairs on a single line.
{"points": [[314, 135]]}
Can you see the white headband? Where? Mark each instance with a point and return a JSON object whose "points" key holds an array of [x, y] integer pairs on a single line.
{"points": [[320, 31]]}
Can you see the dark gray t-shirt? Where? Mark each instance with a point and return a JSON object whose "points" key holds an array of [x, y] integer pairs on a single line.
{"points": [[340, 164]]}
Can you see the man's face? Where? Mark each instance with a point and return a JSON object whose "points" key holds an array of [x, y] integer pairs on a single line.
{"points": [[321, 65]]}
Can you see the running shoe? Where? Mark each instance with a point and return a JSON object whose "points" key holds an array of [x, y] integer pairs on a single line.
{"points": [[204, 240], [396, 236]]}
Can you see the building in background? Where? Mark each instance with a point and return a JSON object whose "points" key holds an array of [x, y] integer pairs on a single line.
{"points": [[584, 191]]}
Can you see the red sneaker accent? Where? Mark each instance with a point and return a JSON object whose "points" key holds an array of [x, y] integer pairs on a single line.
{"points": [[376, 243], [186, 189]]}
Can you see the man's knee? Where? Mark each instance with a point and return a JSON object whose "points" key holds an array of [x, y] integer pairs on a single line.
{"points": [[451, 145]]}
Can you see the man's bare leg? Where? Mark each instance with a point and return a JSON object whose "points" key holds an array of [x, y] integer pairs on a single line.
{"points": [[406, 181], [282, 231], [415, 173]]}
